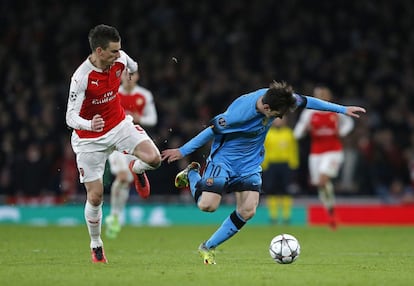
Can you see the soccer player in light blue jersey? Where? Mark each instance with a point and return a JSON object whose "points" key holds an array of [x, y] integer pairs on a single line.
{"points": [[234, 162]]}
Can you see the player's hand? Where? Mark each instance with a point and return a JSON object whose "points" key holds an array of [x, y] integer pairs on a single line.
{"points": [[171, 155], [97, 123], [354, 111]]}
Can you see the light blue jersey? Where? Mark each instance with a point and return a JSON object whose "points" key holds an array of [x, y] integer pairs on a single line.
{"points": [[234, 163], [239, 134], [238, 137]]}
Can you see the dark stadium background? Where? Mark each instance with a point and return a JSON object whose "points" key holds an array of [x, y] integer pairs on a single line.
{"points": [[363, 50]]}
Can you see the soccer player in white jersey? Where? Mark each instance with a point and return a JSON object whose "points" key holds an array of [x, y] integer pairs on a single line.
{"points": [[236, 154], [100, 126], [139, 103], [326, 152]]}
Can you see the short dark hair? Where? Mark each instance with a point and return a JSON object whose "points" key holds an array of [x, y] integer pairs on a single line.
{"points": [[279, 97], [102, 35]]}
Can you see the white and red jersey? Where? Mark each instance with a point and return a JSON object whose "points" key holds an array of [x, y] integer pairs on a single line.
{"points": [[94, 91], [141, 101], [325, 129]]}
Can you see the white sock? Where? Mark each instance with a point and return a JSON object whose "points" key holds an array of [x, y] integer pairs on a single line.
{"points": [[322, 196], [119, 197], [327, 195], [93, 218], [140, 166], [330, 195]]}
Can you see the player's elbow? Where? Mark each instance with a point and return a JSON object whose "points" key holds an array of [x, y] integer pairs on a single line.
{"points": [[152, 123], [68, 120]]}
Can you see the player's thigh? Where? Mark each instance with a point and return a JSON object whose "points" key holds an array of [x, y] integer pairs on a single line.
{"points": [[314, 168], [118, 162], [247, 202], [212, 184], [247, 191], [134, 140], [331, 163], [215, 179], [91, 165], [251, 182], [147, 151]]}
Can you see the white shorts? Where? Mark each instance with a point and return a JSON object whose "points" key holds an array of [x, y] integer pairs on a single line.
{"points": [[118, 162], [328, 163], [92, 153]]}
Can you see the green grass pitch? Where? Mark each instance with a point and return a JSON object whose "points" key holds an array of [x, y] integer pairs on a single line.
{"points": [[168, 256]]}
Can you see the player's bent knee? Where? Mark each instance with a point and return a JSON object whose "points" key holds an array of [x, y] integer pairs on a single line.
{"points": [[208, 201], [207, 205], [152, 160], [155, 157], [95, 200], [155, 161], [94, 192], [247, 213]]}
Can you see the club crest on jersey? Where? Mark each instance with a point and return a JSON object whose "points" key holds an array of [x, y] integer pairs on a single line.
{"points": [[209, 182], [222, 122], [139, 101], [118, 73], [265, 121], [82, 172]]}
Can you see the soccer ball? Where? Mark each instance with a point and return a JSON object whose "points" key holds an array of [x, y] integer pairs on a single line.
{"points": [[284, 248]]}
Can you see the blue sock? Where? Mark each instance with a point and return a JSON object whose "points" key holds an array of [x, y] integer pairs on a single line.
{"points": [[193, 178], [230, 226]]}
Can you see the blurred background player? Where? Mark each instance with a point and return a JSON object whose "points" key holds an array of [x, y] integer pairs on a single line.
{"points": [[280, 159], [139, 103], [326, 152]]}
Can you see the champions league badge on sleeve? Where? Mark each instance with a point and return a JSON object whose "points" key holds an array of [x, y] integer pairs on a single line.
{"points": [[72, 96], [222, 122]]}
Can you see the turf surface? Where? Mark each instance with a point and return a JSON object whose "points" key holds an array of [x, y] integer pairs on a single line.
{"points": [[167, 256]]}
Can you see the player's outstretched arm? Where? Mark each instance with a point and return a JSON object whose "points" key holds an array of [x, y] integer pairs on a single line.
{"points": [[196, 142], [354, 111], [171, 155], [319, 104]]}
